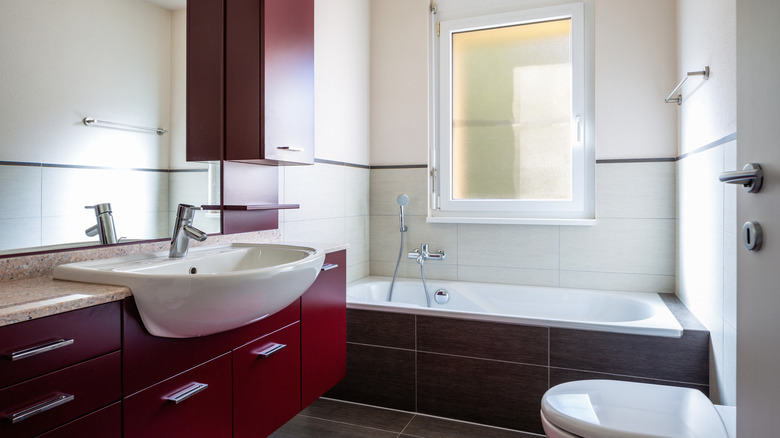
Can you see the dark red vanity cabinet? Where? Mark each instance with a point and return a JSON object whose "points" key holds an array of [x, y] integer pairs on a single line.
{"points": [[266, 383], [324, 329], [103, 423], [269, 81]]}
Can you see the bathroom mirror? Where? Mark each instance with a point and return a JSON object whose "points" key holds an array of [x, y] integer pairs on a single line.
{"points": [[120, 61]]}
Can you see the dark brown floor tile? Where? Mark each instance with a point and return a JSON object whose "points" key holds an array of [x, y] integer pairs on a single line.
{"points": [[309, 427], [559, 375], [387, 329], [378, 376], [489, 340], [359, 415], [684, 359], [430, 427], [502, 394]]}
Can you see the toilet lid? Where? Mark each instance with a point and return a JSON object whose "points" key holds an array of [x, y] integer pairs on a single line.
{"points": [[598, 408]]}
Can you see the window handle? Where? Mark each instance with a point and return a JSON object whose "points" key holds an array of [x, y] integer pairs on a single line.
{"points": [[579, 127]]}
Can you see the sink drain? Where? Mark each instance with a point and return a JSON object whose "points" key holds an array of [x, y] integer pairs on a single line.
{"points": [[193, 270]]}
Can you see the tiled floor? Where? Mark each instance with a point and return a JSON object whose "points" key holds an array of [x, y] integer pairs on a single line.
{"points": [[331, 418]]}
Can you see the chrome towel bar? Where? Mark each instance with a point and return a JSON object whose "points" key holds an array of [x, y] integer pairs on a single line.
{"points": [[89, 121], [678, 100]]}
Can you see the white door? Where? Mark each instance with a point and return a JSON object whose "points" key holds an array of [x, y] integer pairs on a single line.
{"points": [[758, 273]]}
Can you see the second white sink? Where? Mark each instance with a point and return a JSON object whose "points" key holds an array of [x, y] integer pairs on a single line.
{"points": [[214, 289]]}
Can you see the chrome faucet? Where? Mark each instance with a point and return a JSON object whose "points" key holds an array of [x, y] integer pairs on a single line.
{"points": [[105, 224], [422, 254], [183, 231]]}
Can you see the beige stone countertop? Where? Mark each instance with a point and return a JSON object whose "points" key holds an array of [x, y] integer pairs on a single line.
{"points": [[31, 298], [37, 297]]}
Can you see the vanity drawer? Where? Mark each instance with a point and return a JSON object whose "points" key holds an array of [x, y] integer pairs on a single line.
{"points": [[182, 406], [61, 396], [105, 423], [267, 383], [29, 349]]}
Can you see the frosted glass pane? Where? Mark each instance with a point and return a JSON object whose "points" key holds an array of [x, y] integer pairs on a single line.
{"points": [[511, 102]]}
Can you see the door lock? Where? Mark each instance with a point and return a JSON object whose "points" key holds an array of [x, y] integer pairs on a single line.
{"points": [[752, 236]]}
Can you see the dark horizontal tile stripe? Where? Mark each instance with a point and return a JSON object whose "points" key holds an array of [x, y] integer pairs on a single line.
{"points": [[378, 376], [684, 316], [489, 392], [380, 328], [309, 427], [560, 375], [430, 427], [683, 359], [359, 415], [489, 340]]}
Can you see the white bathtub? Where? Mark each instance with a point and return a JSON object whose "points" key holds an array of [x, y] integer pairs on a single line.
{"points": [[619, 312]]}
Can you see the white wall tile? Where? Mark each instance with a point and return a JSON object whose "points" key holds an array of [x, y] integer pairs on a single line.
{"points": [[20, 191], [387, 184], [620, 282], [356, 272], [509, 246], [357, 236], [492, 274], [20, 233], [356, 187], [636, 190], [319, 189], [410, 269], [637, 246], [323, 231]]}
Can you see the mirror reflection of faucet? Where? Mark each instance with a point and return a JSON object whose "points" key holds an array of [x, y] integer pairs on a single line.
{"points": [[105, 224], [183, 231]]}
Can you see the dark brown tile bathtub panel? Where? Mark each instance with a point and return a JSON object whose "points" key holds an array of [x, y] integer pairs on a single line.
{"points": [[560, 375], [380, 328], [378, 376], [482, 391], [489, 340], [683, 359], [685, 317]]}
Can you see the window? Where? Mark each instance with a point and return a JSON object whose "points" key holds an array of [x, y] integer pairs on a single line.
{"points": [[511, 143]]}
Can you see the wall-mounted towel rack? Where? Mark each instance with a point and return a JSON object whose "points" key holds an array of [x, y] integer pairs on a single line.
{"points": [[89, 121], [678, 99]]}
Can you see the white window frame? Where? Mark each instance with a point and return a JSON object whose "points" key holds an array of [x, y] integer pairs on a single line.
{"points": [[580, 209]]}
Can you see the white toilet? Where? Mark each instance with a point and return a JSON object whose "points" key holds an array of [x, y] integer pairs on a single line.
{"points": [[616, 409]]}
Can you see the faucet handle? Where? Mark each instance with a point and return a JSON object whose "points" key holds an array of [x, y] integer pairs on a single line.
{"points": [[91, 231], [100, 208]]}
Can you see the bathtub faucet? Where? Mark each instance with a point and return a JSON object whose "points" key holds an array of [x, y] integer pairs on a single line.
{"points": [[422, 254]]}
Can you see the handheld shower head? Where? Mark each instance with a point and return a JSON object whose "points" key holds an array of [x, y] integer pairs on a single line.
{"points": [[402, 201]]}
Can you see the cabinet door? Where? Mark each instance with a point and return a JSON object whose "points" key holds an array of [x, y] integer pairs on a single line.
{"points": [[195, 403], [32, 348], [324, 330], [105, 423], [266, 383], [269, 81], [40, 404]]}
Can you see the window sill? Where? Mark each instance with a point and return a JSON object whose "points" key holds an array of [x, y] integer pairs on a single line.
{"points": [[508, 221]]}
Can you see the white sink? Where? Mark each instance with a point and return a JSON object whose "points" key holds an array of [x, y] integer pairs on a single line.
{"points": [[213, 289]]}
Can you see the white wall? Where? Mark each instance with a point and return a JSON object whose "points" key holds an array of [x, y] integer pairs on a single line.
{"points": [[707, 229], [636, 68], [333, 195]]}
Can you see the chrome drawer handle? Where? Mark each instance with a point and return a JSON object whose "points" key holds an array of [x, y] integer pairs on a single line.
{"points": [[40, 407], [329, 266], [268, 352], [187, 392], [290, 148], [38, 349]]}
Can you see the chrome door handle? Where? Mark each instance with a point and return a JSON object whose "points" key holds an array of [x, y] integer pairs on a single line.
{"points": [[43, 406], [38, 349], [268, 352], [751, 177], [187, 392]]}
